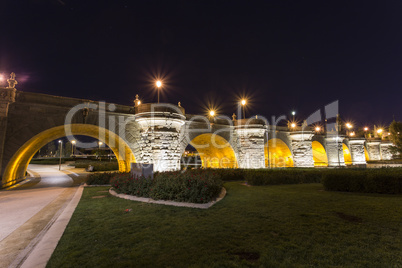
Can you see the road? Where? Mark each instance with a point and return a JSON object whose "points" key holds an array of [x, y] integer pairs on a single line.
{"points": [[27, 211]]}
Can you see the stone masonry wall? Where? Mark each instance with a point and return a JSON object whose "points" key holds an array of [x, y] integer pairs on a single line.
{"points": [[374, 151], [386, 153], [302, 149], [356, 148], [335, 153], [250, 147]]}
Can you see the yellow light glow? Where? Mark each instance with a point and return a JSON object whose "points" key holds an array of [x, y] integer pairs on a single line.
{"points": [[346, 154], [349, 125], [243, 102], [1, 77], [379, 131], [352, 134], [212, 113], [366, 128], [279, 154], [319, 154], [158, 83], [317, 129], [73, 142], [18, 164], [100, 143], [138, 102], [214, 151], [293, 125]]}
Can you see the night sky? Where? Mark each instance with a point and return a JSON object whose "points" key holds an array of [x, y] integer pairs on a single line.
{"points": [[282, 55]]}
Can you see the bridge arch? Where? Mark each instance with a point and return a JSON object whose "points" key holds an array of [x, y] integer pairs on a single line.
{"points": [[346, 154], [215, 151], [278, 154], [18, 164], [366, 154], [319, 154]]}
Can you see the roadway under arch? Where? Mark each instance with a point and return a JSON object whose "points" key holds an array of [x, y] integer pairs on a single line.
{"points": [[18, 164], [277, 154], [214, 151], [319, 154]]}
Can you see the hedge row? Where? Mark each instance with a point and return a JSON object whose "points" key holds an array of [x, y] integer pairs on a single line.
{"points": [[382, 181], [194, 187], [282, 176], [98, 165]]}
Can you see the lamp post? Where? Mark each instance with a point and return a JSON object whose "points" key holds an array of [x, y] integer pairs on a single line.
{"points": [[72, 147], [99, 145], [293, 114], [243, 103], [158, 85], [61, 151]]}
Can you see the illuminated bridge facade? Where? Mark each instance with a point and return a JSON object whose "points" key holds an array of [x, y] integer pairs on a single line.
{"points": [[159, 134]]}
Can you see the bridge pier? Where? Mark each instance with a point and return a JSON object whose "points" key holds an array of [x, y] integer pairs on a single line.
{"points": [[161, 135], [334, 149], [250, 145], [385, 148], [356, 147], [302, 149], [373, 148], [7, 96]]}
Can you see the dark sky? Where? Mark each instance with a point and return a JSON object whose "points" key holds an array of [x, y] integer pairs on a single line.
{"points": [[282, 55]]}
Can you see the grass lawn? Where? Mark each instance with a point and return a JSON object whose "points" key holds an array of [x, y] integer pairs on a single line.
{"points": [[262, 226]]}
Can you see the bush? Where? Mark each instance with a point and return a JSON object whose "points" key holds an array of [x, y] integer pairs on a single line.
{"points": [[383, 181], [98, 165], [100, 178], [198, 186], [282, 176], [47, 161]]}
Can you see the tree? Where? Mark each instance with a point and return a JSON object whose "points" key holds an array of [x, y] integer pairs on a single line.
{"points": [[396, 137]]}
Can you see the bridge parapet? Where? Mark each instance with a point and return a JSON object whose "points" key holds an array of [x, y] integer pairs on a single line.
{"points": [[302, 149]]}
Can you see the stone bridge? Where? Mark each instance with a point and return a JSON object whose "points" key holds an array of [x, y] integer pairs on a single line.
{"points": [[159, 134]]}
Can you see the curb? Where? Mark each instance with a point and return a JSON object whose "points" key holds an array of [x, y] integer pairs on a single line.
{"points": [[170, 203], [42, 252]]}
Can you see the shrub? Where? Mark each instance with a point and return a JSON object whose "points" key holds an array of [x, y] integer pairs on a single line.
{"points": [[383, 181], [98, 165], [100, 178], [282, 176], [190, 186]]}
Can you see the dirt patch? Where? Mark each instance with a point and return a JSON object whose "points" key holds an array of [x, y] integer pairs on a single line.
{"points": [[349, 218], [98, 196]]}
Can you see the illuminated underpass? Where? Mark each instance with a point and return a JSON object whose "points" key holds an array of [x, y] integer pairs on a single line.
{"points": [[18, 164], [277, 154], [214, 151]]}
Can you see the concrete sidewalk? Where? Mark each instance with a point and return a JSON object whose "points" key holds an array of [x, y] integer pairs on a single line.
{"points": [[34, 215]]}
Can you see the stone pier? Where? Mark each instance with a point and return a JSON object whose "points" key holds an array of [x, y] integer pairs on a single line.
{"points": [[302, 149], [356, 147], [385, 148], [335, 150], [250, 144], [373, 149]]}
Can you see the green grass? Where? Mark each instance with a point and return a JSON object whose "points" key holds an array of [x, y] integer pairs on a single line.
{"points": [[261, 226]]}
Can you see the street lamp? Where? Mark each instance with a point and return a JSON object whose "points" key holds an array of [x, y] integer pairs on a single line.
{"points": [[317, 129], [158, 85], [99, 145], [349, 125], [72, 146], [293, 114], [293, 125], [61, 151], [243, 103], [379, 131]]}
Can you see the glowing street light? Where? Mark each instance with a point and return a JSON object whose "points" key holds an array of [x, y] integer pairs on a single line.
{"points": [[72, 146], [243, 103], [317, 129], [349, 125], [99, 145], [158, 85], [212, 113], [293, 114], [292, 125], [379, 131], [366, 128], [61, 151], [352, 134]]}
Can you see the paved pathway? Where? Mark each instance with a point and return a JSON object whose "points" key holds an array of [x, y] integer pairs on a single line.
{"points": [[28, 211]]}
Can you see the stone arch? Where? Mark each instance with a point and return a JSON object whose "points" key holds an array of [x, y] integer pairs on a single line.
{"points": [[214, 151], [18, 164], [346, 154], [319, 154], [277, 154]]}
